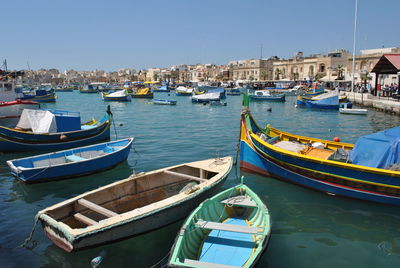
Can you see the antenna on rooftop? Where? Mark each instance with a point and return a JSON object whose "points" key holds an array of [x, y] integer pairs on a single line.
{"points": [[261, 52]]}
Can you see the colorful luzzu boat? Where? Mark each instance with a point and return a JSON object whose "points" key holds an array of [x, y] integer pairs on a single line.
{"points": [[325, 165]]}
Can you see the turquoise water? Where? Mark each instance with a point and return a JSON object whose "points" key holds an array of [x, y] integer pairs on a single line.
{"points": [[310, 229]]}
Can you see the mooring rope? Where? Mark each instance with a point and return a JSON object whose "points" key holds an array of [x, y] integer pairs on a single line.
{"points": [[28, 240]]}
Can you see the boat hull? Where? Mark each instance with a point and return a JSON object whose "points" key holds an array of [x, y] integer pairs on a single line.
{"points": [[313, 174], [119, 98], [73, 169], [13, 140], [10, 112], [117, 228], [219, 247]]}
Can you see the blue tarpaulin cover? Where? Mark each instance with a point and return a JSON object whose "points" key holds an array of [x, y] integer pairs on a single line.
{"points": [[379, 150]]}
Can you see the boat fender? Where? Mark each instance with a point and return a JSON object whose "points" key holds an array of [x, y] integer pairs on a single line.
{"points": [[63, 137], [336, 139]]}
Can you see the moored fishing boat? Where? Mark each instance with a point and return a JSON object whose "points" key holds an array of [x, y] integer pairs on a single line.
{"points": [[52, 130], [89, 89], [71, 163], [143, 93], [164, 102], [121, 95], [164, 88], [135, 205], [183, 91], [332, 167], [265, 95], [231, 229], [11, 106]]}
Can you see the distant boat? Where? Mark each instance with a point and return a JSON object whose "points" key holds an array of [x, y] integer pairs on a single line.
{"points": [[183, 91], [206, 97], [52, 130], [143, 93], [70, 163], [11, 105], [121, 95], [63, 89], [233, 91], [231, 229], [163, 88], [265, 95], [89, 89], [132, 206], [353, 111], [164, 102]]}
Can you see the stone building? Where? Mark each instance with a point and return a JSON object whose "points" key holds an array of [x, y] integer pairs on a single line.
{"points": [[252, 69], [328, 67], [365, 62]]}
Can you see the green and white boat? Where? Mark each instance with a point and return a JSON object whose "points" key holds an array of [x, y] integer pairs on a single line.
{"points": [[231, 229]]}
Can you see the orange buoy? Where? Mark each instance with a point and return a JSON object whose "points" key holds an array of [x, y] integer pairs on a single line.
{"points": [[336, 139]]}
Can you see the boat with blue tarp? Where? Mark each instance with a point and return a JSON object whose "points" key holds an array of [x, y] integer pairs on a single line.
{"points": [[231, 229], [332, 167], [52, 130], [70, 163]]}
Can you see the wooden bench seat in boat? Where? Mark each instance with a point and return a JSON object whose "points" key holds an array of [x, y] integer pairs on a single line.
{"points": [[92, 206], [49, 162], [240, 201], [227, 227], [184, 176], [84, 219], [207, 264]]}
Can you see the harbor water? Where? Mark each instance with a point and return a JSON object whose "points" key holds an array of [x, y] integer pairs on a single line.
{"points": [[309, 228]]}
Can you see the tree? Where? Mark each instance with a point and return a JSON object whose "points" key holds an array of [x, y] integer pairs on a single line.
{"points": [[263, 76], [278, 72], [365, 76], [340, 71], [319, 76]]}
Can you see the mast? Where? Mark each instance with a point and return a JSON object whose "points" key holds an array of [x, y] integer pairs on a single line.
{"points": [[354, 46]]}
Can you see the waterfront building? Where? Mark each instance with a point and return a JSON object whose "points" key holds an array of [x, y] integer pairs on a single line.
{"points": [[323, 67], [365, 62], [252, 69]]}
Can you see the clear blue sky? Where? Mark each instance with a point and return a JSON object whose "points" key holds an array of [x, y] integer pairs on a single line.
{"points": [[108, 35]]}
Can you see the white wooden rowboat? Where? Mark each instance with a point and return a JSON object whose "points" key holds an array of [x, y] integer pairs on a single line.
{"points": [[352, 111], [135, 205]]}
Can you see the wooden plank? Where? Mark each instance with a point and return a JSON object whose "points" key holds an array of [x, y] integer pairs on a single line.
{"points": [[227, 227], [207, 264], [240, 200], [84, 219], [96, 208], [184, 176]]}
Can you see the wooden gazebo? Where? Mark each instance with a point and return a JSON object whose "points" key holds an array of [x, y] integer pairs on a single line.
{"points": [[387, 64]]}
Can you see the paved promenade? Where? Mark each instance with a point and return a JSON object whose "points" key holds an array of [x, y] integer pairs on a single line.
{"points": [[385, 104]]}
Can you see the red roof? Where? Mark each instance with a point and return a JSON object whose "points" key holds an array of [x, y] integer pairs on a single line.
{"points": [[394, 59]]}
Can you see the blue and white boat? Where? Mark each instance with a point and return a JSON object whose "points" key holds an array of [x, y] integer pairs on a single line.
{"points": [[164, 88], [265, 95], [211, 95], [164, 102], [71, 163]]}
